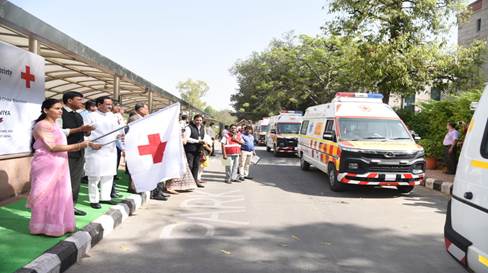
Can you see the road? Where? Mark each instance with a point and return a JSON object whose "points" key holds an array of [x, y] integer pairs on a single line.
{"points": [[284, 220]]}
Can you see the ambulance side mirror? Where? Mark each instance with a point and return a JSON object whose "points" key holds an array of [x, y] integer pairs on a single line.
{"points": [[329, 136], [415, 136]]}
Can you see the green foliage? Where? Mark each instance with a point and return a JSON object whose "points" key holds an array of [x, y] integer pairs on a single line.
{"points": [[192, 92], [388, 46], [402, 49], [430, 123], [224, 116]]}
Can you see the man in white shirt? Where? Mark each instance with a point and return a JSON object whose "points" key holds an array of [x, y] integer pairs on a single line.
{"points": [[101, 164], [118, 111]]}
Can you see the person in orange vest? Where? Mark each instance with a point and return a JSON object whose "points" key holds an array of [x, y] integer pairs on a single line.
{"points": [[231, 149]]}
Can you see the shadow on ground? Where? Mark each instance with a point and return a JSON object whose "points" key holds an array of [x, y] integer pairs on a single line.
{"points": [[318, 247]]}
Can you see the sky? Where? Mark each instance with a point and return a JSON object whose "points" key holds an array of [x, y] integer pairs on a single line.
{"points": [[166, 42]]}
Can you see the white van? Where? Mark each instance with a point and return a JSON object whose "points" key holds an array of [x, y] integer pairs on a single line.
{"points": [[260, 131], [282, 136], [466, 228], [357, 139]]}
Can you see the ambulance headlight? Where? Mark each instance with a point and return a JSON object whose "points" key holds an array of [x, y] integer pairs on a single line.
{"points": [[418, 168], [347, 149], [353, 166]]}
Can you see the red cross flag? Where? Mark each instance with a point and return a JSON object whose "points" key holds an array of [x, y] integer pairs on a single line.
{"points": [[153, 148]]}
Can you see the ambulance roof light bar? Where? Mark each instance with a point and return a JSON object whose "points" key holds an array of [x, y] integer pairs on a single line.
{"points": [[359, 95], [291, 112]]}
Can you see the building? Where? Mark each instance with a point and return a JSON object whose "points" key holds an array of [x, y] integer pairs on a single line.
{"points": [[476, 26]]}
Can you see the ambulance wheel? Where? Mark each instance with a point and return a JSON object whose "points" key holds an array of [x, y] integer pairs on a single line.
{"points": [[334, 184], [405, 189], [268, 149], [304, 165]]}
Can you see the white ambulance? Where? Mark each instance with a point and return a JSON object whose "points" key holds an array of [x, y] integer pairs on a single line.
{"points": [[466, 228], [260, 131], [357, 139], [282, 136]]}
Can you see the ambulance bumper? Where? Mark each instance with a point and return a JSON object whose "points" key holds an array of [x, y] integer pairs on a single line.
{"points": [[381, 179]]}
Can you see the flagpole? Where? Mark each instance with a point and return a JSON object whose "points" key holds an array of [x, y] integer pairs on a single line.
{"points": [[111, 132], [126, 126]]}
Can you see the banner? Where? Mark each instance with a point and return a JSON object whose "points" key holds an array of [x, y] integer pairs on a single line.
{"points": [[154, 149], [21, 96]]}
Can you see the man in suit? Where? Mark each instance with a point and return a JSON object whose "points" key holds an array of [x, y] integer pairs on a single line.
{"points": [[194, 139], [72, 124]]}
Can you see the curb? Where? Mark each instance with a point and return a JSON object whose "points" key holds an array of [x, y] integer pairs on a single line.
{"points": [[69, 251], [439, 185]]}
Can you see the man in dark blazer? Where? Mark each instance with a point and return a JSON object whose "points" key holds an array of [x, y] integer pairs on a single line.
{"points": [[72, 124]]}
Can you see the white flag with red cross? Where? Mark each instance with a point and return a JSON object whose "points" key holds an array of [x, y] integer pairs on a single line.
{"points": [[153, 148]]}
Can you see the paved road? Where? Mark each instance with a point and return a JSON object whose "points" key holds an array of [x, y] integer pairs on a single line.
{"points": [[285, 220]]}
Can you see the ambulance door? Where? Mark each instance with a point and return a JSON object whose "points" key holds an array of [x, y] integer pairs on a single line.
{"points": [[302, 138], [330, 139], [469, 204]]}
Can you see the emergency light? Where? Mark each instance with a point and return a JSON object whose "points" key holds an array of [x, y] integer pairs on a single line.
{"points": [[359, 95], [291, 112]]}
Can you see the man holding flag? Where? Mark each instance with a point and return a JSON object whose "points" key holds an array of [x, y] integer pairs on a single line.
{"points": [[153, 148], [101, 165]]}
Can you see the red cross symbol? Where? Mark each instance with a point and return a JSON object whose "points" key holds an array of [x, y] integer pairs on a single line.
{"points": [[155, 148], [27, 76]]}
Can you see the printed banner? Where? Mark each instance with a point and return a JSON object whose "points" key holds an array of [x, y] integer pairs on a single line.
{"points": [[21, 96]]}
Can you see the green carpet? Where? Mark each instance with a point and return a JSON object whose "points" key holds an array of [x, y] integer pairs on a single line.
{"points": [[18, 247]]}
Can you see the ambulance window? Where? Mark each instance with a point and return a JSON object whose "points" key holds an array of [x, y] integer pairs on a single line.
{"points": [[303, 130], [329, 127], [484, 143]]}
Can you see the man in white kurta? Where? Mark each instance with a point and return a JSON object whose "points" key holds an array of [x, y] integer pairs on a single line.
{"points": [[101, 165]]}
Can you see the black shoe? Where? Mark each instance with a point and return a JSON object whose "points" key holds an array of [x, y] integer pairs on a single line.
{"points": [[241, 178], [228, 181], [200, 185], [159, 197], [95, 205], [109, 202], [249, 177], [79, 212]]}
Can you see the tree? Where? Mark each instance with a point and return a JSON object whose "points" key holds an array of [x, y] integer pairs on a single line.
{"points": [[401, 49], [192, 92], [293, 74]]}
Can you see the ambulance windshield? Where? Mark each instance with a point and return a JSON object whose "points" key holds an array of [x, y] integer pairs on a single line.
{"points": [[372, 129], [264, 128], [288, 128]]}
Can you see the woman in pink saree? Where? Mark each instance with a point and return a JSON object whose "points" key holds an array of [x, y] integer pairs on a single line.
{"points": [[50, 198]]}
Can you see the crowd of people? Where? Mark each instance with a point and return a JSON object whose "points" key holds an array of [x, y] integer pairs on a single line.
{"points": [[73, 142]]}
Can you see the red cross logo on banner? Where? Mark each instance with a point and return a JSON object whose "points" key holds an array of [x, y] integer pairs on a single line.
{"points": [[27, 76], [155, 148]]}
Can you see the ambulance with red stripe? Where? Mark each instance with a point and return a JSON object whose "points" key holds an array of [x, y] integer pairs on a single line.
{"points": [[466, 228], [283, 130], [357, 139]]}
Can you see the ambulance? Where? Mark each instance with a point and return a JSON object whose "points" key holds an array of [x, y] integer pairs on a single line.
{"points": [[282, 136], [357, 139], [466, 228], [260, 131]]}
